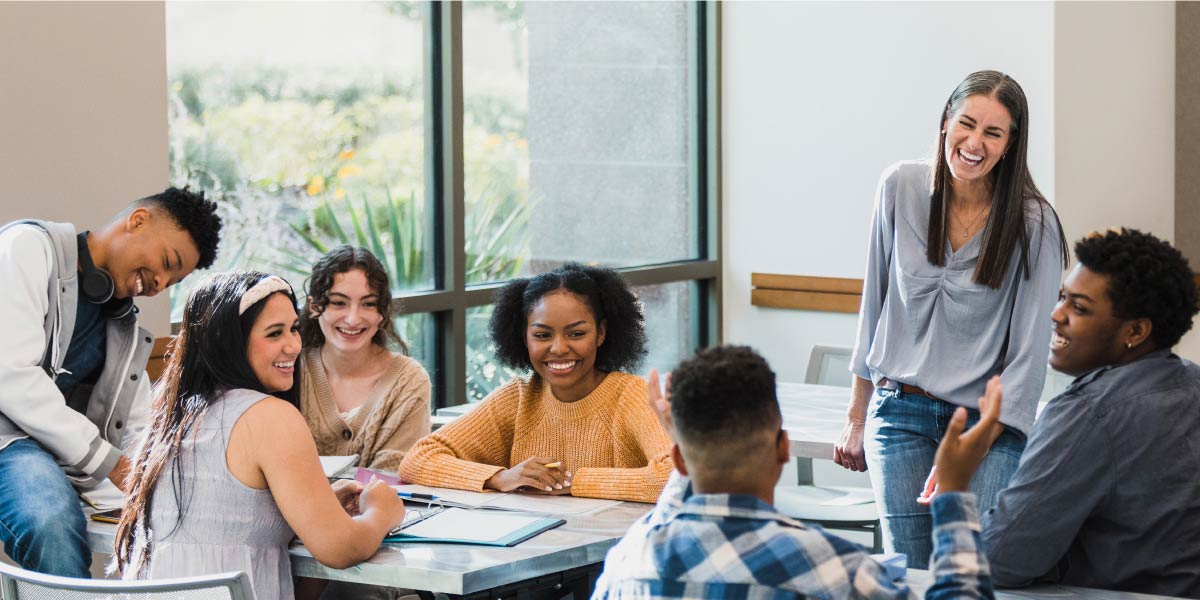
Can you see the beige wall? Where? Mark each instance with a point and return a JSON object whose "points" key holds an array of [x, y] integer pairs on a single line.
{"points": [[1187, 130], [83, 114], [1114, 113], [1187, 145]]}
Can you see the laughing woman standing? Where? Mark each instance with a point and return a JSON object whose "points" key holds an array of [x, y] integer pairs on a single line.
{"points": [[964, 262]]}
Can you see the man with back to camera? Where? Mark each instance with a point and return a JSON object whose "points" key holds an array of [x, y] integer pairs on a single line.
{"points": [[714, 532], [1107, 494], [73, 388]]}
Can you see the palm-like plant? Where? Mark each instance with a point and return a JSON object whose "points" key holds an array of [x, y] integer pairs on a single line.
{"points": [[496, 244]]}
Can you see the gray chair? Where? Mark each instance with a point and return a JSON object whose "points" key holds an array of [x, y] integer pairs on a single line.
{"points": [[829, 365], [832, 507], [18, 584]]}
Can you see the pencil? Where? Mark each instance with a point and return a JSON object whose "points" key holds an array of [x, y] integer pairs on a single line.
{"points": [[554, 465]]}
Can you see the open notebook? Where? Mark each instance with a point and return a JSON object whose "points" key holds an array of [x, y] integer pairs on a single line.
{"points": [[460, 526]]}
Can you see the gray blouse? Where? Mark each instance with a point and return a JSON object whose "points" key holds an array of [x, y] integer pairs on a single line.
{"points": [[934, 327]]}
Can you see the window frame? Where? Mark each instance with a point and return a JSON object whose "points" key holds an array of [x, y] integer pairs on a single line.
{"points": [[452, 297]]}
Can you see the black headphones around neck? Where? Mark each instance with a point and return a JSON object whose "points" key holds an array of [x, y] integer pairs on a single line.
{"points": [[96, 285]]}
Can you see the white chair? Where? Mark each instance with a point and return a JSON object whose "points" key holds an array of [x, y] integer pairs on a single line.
{"points": [[18, 584], [832, 507]]}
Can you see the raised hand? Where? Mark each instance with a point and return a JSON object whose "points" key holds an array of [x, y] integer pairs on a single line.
{"points": [[660, 404], [959, 454]]}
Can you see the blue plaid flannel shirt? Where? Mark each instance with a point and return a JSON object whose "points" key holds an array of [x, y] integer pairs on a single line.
{"points": [[737, 546]]}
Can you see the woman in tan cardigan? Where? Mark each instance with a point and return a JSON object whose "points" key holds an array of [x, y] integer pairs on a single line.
{"points": [[578, 425], [358, 396]]}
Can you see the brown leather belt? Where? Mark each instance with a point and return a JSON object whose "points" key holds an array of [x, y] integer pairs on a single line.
{"points": [[907, 389], [912, 389]]}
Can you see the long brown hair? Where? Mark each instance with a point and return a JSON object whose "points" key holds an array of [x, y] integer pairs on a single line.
{"points": [[1014, 195], [341, 260], [208, 357]]}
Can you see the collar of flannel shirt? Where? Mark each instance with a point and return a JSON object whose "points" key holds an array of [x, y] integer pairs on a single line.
{"points": [[745, 506]]}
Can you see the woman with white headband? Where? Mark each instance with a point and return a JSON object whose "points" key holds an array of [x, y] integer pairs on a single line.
{"points": [[228, 473]]}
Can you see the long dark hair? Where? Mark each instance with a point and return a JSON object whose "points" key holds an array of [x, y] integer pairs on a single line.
{"points": [[207, 358], [1014, 195], [341, 260]]}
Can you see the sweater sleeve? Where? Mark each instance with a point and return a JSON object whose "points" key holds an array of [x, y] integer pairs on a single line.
{"points": [[641, 444], [465, 453], [407, 421], [30, 399]]}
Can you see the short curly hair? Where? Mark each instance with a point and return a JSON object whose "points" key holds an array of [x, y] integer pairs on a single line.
{"points": [[192, 213], [606, 295], [723, 394], [340, 260], [1147, 278]]}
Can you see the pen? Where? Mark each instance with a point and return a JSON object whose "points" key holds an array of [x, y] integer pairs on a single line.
{"points": [[416, 496], [553, 465]]}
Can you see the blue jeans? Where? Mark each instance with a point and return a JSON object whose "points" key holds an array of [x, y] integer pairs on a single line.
{"points": [[41, 523], [901, 438]]}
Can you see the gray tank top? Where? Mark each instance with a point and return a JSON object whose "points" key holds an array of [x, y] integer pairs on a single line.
{"points": [[227, 525]]}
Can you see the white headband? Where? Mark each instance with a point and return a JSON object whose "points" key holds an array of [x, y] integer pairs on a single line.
{"points": [[265, 287]]}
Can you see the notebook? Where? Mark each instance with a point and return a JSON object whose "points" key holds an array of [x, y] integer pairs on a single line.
{"points": [[533, 503], [338, 467], [461, 526], [105, 496]]}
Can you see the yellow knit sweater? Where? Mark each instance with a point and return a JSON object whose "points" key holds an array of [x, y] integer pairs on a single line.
{"points": [[610, 440]]}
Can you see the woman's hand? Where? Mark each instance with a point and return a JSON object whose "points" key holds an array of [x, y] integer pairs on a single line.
{"points": [[848, 452], [379, 497], [535, 474], [347, 492]]}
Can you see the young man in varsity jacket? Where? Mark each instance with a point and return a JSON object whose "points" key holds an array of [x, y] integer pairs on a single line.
{"points": [[73, 389]]}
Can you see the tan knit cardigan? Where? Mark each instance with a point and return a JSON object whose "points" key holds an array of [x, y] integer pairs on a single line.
{"points": [[391, 419], [610, 440]]}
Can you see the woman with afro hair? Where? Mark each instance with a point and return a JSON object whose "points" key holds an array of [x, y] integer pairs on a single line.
{"points": [[578, 424]]}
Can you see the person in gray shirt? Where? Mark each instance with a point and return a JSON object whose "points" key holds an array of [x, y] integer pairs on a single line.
{"points": [[1107, 493]]}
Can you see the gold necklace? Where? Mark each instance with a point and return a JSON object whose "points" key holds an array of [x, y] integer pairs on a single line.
{"points": [[967, 229]]}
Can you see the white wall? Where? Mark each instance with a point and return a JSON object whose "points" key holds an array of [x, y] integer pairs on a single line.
{"points": [[83, 114], [818, 98]]}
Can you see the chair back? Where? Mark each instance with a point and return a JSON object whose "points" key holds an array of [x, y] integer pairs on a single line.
{"points": [[829, 365], [19, 584]]}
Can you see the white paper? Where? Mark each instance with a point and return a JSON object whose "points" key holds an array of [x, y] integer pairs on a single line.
{"points": [[333, 465], [550, 505]]}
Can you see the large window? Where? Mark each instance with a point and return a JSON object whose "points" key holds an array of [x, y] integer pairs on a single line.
{"points": [[463, 143]]}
